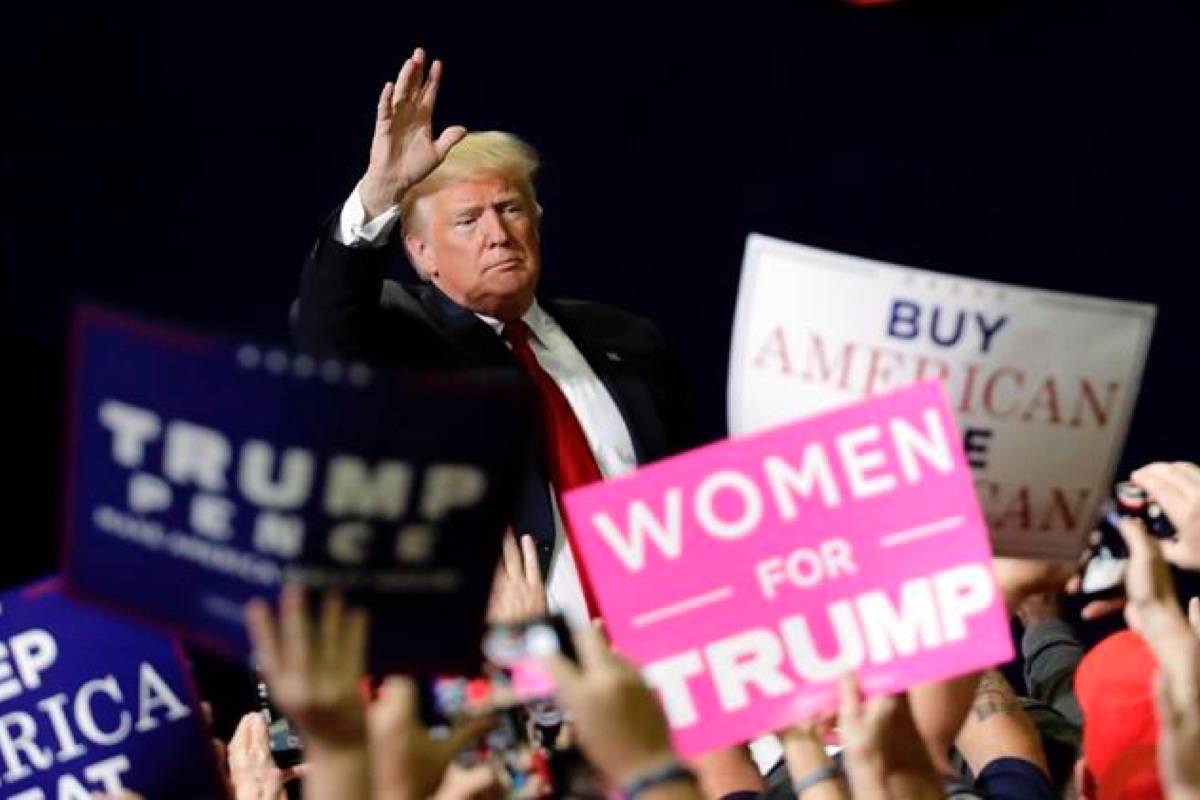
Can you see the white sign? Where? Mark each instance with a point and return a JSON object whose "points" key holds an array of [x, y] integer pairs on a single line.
{"points": [[1042, 383]]}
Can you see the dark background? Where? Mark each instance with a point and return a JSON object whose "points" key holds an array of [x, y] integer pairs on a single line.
{"points": [[176, 158]]}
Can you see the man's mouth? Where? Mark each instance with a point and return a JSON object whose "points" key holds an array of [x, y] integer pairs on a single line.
{"points": [[507, 263]]}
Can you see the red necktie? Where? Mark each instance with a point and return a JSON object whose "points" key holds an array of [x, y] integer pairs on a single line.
{"points": [[567, 451]]}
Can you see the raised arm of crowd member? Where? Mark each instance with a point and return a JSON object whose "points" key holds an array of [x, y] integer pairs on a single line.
{"points": [[1002, 746], [253, 774], [518, 592], [618, 722], [814, 774], [1052, 653], [1176, 487], [338, 313], [313, 669], [407, 763], [884, 757], [1154, 614]]}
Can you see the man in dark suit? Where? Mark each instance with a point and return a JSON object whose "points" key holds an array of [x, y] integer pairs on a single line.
{"points": [[464, 208]]}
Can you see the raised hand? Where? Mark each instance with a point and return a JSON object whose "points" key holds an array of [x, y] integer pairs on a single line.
{"points": [[619, 724], [253, 774], [518, 593], [313, 669], [406, 762], [1176, 487], [885, 755], [403, 148]]}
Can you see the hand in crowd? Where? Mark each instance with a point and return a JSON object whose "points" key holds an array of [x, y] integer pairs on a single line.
{"points": [[618, 723], [518, 593], [477, 782], [1155, 615], [313, 668], [1176, 487], [403, 148], [407, 762], [253, 774], [808, 763], [1021, 578], [885, 757]]}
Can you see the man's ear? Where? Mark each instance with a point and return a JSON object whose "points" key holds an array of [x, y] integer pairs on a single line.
{"points": [[420, 255]]}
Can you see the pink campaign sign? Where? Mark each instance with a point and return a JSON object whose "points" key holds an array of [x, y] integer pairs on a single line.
{"points": [[745, 576]]}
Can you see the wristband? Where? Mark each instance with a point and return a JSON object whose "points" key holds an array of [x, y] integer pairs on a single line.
{"points": [[820, 775], [670, 772]]}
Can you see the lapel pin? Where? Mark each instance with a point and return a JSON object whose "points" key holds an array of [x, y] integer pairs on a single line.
{"points": [[612, 356]]}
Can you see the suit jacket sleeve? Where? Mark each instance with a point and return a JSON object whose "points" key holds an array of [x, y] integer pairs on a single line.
{"points": [[338, 313]]}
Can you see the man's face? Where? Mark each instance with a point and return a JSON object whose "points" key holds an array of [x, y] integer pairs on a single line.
{"points": [[477, 241]]}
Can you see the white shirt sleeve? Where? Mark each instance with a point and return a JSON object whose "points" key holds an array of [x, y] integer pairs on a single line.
{"points": [[353, 230]]}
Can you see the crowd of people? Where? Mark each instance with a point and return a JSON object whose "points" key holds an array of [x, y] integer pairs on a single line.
{"points": [[1121, 720], [1116, 719]]}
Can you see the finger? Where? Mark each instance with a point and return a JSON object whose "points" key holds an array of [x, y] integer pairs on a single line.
{"points": [[1188, 472], [884, 707], [1141, 548], [241, 734], [206, 711], [293, 626], [1101, 608], [601, 629], [1163, 485], [411, 76], [264, 637], [399, 692], [1194, 614], [450, 137], [510, 557], [258, 738], [566, 675], [297, 772], [529, 554], [429, 92], [383, 110], [592, 648], [330, 632], [849, 699], [356, 630], [1073, 584]]}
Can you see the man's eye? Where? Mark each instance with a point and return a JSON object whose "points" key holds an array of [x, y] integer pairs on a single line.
{"points": [[464, 222], [513, 209]]}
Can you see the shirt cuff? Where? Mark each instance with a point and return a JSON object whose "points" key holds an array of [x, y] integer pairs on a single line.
{"points": [[353, 230]]}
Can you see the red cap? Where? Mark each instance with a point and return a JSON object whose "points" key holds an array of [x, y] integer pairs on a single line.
{"points": [[1115, 688]]}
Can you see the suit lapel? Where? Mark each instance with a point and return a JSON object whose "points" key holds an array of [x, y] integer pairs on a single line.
{"points": [[625, 383]]}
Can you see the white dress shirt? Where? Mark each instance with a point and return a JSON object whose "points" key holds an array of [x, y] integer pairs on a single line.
{"points": [[602, 423]]}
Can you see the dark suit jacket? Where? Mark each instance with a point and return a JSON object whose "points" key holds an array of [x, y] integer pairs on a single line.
{"points": [[347, 310]]}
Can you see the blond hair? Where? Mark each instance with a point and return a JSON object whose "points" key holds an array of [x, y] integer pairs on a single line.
{"points": [[480, 153]]}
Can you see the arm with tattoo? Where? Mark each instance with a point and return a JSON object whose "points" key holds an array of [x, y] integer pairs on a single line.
{"points": [[998, 727]]}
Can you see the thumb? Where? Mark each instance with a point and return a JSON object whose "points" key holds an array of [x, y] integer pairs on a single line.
{"points": [[450, 137], [297, 772], [1194, 614]]}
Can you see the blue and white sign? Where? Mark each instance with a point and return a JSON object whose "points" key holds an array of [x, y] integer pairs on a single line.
{"points": [[203, 472], [92, 703]]}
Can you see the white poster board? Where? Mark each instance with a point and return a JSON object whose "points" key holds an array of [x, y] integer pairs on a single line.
{"points": [[1043, 383]]}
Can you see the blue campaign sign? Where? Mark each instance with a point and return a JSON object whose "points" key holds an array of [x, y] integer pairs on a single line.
{"points": [[92, 703], [203, 471]]}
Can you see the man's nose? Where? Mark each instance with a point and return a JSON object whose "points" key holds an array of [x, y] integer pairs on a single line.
{"points": [[494, 228]]}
